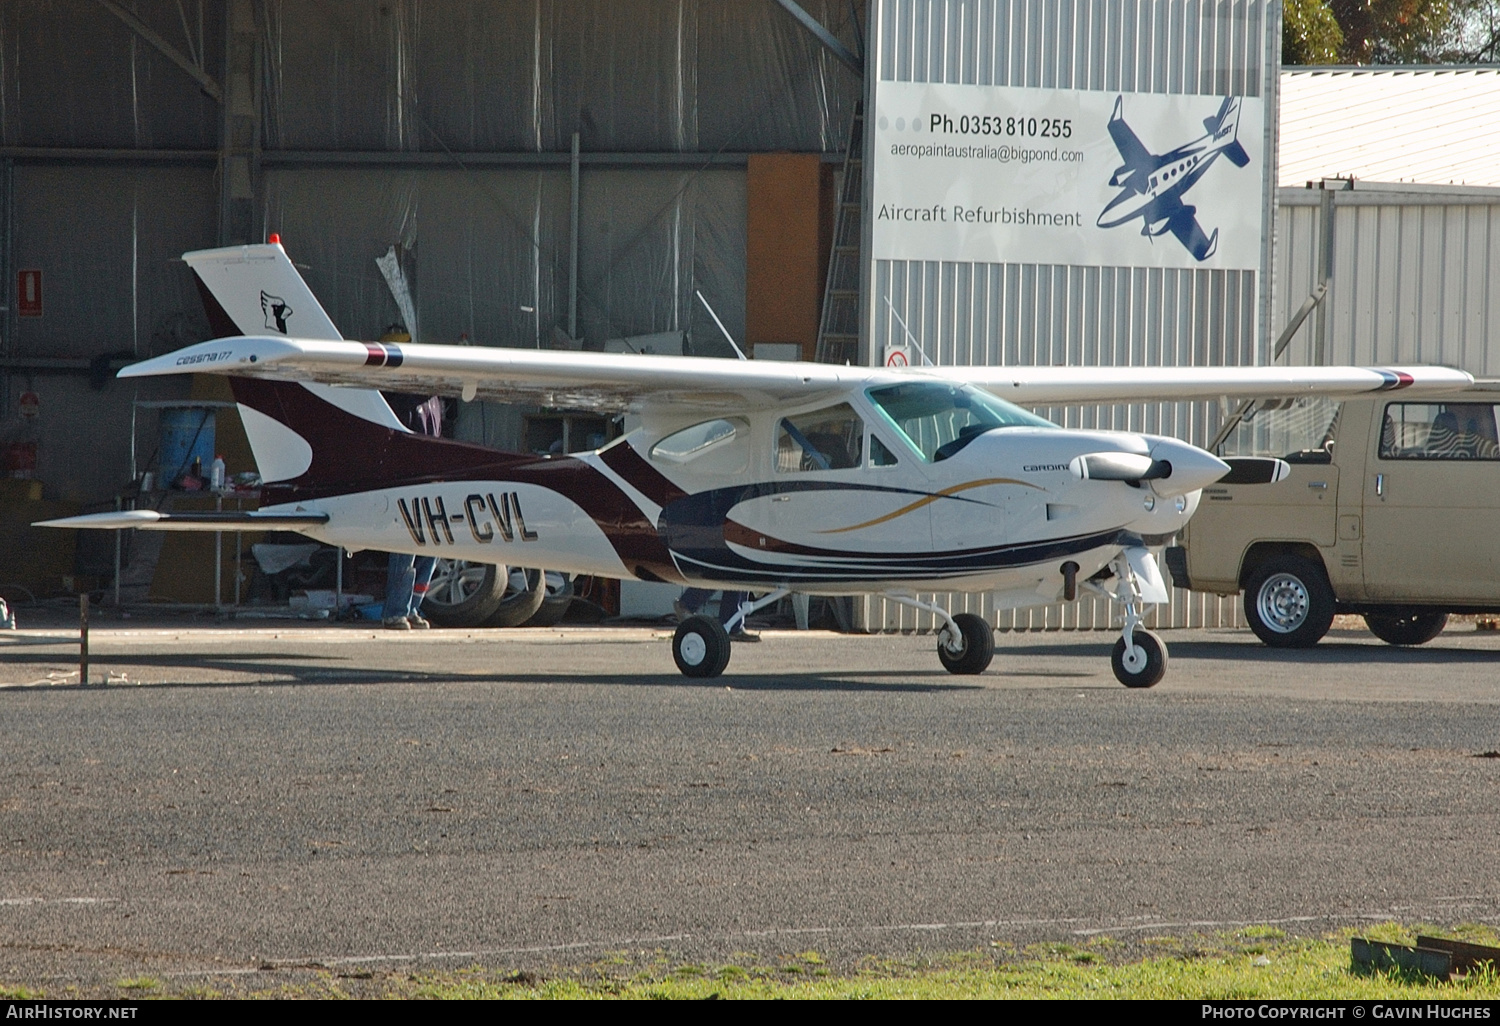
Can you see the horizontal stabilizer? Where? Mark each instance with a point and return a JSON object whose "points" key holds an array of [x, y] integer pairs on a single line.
{"points": [[1236, 153], [151, 520]]}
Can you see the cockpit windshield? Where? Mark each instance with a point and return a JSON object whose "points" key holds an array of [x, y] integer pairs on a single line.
{"points": [[940, 419]]}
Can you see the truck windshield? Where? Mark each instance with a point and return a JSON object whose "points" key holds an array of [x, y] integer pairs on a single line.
{"points": [[1297, 430]]}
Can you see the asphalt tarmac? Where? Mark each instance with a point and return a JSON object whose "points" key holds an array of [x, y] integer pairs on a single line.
{"points": [[255, 801]]}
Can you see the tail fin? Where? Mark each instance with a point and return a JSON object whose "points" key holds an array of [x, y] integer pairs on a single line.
{"points": [[251, 290], [255, 290]]}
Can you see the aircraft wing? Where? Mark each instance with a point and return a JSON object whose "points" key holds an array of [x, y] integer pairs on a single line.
{"points": [[610, 382], [606, 382], [1064, 386]]}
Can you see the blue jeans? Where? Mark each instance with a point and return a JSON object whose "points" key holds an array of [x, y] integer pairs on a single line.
{"points": [[406, 581]]}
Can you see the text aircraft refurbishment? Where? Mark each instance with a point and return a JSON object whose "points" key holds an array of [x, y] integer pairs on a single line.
{"points": [[772, 477]]}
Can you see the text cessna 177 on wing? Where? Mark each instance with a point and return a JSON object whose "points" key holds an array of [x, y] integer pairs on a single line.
{"points": [[767, 476]]}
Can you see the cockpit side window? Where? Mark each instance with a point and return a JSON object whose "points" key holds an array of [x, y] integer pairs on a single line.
{"points": [[828, 439]]}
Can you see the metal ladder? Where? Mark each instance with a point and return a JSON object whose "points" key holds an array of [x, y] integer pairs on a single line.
{"points": [[838, 331]]}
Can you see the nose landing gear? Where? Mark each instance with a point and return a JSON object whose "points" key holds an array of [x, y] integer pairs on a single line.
{"points": [[1139, 658]]}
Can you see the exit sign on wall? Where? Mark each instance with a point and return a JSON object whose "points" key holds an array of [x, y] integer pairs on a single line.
{"points": [[29, 293]]}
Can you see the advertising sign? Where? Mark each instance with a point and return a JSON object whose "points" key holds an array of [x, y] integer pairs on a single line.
{"points": [[995, 174]]}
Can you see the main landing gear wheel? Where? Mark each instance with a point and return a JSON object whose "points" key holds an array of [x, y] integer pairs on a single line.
{"points": [[701, 647], [978, 646], [1144, 665], [1406, 626]]}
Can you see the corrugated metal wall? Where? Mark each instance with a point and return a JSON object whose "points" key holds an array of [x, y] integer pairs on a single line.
{"points": [[363, 105], [1416, 275], [967, 313]]}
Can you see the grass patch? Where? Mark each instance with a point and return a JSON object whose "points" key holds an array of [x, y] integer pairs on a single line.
{"points": [[140, 984], [8, 993], [1248, 964]]}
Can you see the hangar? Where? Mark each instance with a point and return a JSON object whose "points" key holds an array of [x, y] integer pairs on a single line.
{"points": [[574, 173]]}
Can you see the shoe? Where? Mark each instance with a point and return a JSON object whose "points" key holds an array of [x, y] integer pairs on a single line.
{"points": [[395, 623], [743, 635], [681, 610], [416, 623]]}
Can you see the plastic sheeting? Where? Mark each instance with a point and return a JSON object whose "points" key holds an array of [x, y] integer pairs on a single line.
{"points": [[72, 74], [486, 251], [108, 243], [628, 75]]}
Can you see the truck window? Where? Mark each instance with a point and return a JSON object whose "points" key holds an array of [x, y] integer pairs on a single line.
{"points": [[1439, 431], [1300, 430]]}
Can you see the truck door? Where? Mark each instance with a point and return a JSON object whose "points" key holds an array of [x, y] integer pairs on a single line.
{"points": [[1431, 495]]}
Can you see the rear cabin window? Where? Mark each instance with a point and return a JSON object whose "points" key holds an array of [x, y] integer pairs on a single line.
{"points": [[1439, 431], [714, 446]]}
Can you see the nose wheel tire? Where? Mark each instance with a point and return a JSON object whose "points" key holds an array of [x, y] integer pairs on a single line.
{"points": [[1144, 665], [978, 646], [1289, 602], [700, 647]]}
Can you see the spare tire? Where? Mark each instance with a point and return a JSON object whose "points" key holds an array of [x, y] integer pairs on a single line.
{"points": [[556, 601], [464, 594], [522, 598]]}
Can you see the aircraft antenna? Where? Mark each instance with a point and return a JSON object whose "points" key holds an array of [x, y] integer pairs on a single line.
{"points": [[738, 351], [909, 336]]}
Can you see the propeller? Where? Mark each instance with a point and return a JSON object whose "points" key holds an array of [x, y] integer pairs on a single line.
{"points": [[1255, 470]]}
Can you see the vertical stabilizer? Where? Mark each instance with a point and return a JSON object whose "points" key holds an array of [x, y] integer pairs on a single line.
{"points": [[256, 290]]}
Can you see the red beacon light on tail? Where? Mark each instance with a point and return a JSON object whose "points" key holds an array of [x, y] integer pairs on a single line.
{"points": [[275, 239]]}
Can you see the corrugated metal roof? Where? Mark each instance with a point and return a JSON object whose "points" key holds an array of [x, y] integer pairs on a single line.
{"points": [[1435, 126]]}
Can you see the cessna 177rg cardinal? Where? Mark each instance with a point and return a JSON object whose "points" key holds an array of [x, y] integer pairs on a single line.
{"points": [[774, 477]]}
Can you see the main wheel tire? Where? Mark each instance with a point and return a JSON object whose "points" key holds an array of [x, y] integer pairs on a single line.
{"points": [[558, 598], [464, 594], [1407, 626], [700, 647], [978, 650], [523, 597], [1143, 667], [1289, 602]]}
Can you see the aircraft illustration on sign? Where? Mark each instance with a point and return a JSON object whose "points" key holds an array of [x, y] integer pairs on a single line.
{"points": [[1151, 186], [761, 475]]}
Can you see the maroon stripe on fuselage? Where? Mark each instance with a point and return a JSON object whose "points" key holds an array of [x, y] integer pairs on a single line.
{"points": [[351, 454], [641, 476]]}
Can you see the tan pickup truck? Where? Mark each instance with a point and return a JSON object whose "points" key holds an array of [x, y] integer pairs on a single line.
{"points": [[1392, 510]]}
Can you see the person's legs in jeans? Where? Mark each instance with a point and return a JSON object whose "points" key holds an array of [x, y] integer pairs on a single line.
{"points": [[422, 568], [400, 576]]}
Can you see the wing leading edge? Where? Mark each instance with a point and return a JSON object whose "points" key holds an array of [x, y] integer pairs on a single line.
{"points": [[620, 382]]}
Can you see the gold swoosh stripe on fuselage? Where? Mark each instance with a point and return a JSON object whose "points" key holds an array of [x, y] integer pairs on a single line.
{"points": [[929, 499]]}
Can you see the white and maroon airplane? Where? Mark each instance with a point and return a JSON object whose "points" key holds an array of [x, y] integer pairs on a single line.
{"points": [[763, 476]]}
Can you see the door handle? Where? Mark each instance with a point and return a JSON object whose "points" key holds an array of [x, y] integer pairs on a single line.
{"points": [[1380, 486], [1321, 486]]}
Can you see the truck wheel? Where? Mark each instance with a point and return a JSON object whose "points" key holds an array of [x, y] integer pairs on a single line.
{"points": [[1289, 602], [1406, 626]]}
